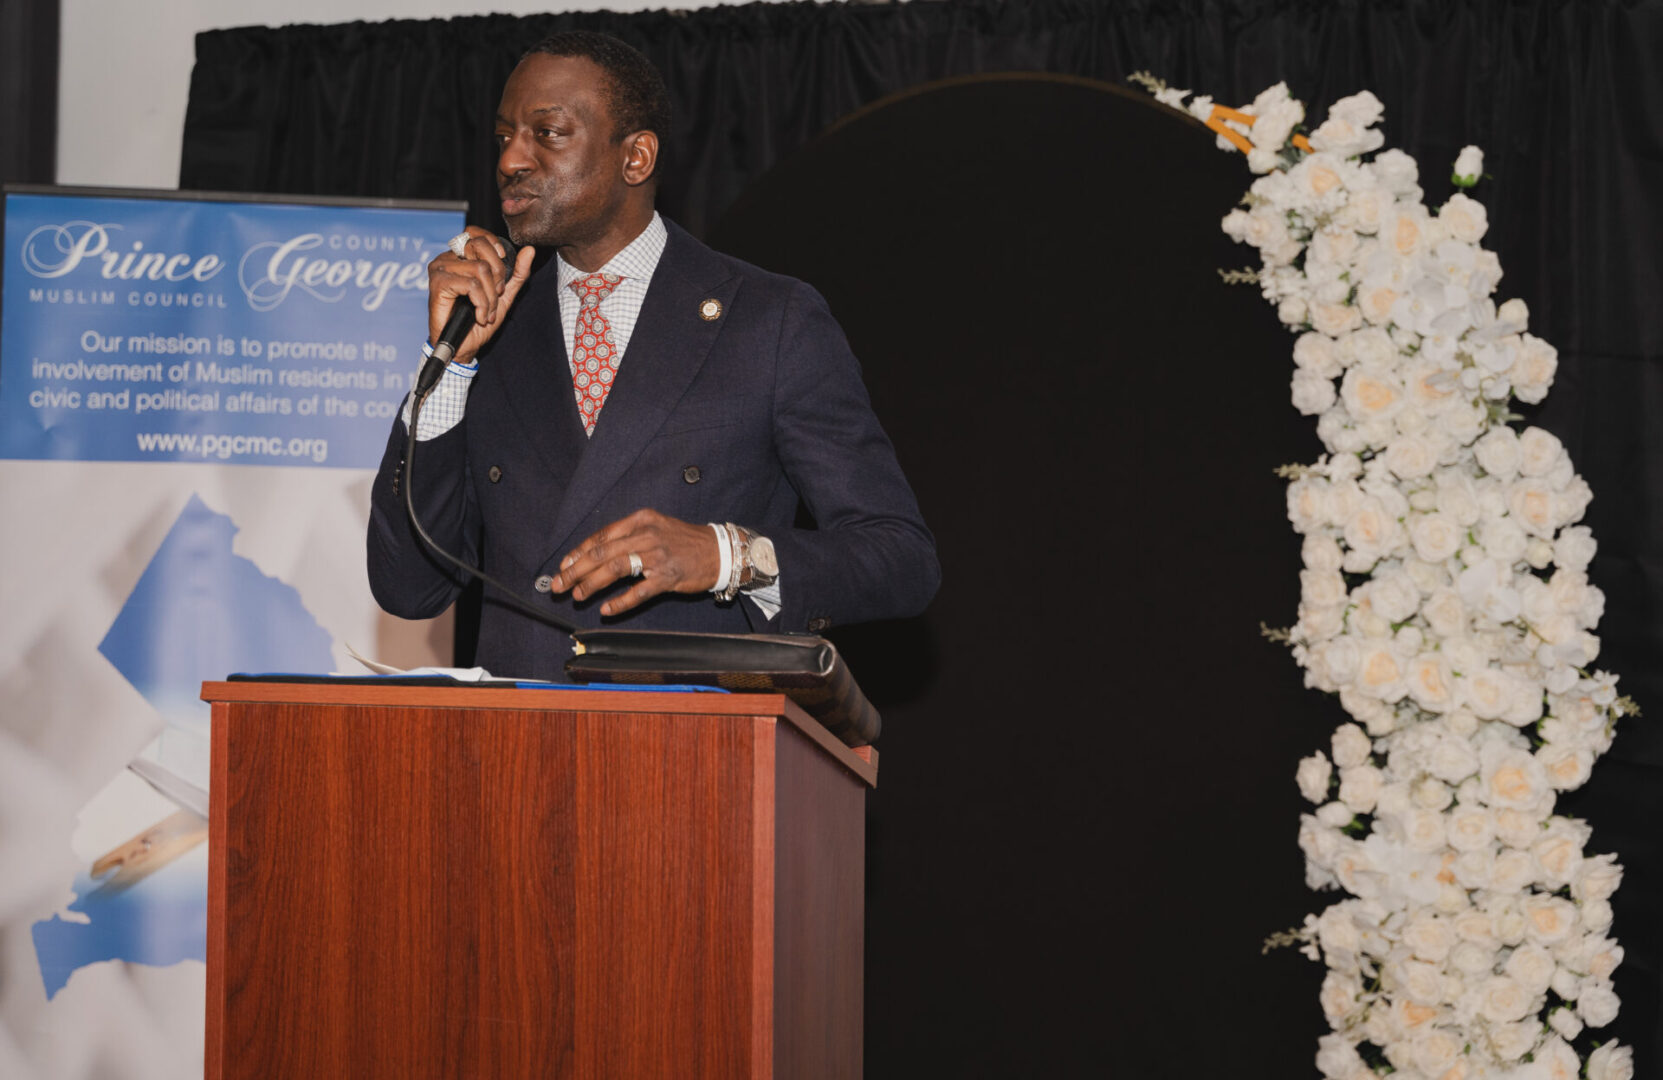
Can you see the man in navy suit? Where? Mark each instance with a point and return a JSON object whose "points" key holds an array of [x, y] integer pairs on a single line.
{"points": [[629, 430]]}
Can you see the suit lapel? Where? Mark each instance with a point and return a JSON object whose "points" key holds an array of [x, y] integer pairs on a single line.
{"points": [[536, 379], [665, 352]]}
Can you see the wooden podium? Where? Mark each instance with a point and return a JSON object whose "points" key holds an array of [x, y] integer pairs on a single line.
{"points": [[449, 882]]}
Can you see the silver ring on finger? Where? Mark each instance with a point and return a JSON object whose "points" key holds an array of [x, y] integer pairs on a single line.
{"points": [[459, 244], [634, 565]]}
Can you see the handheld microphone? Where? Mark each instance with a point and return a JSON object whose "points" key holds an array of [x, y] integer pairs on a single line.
{"points": [[455, 331]]}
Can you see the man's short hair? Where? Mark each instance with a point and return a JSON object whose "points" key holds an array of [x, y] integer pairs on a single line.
{"points": [[635, 96]]}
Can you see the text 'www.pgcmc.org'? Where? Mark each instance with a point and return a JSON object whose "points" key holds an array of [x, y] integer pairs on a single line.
{"points": [[225, 447]]}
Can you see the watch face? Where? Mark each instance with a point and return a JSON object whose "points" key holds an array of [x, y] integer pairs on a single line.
{"points": [[762, 557]]}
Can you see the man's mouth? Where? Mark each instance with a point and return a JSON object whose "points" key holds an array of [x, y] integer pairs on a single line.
{"points": [[515, 203]]}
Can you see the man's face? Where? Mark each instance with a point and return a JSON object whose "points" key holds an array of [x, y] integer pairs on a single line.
{"points": [[559, 170]]}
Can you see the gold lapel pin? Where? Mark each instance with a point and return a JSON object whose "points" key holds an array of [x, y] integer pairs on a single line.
{"points": [[710, 310]]}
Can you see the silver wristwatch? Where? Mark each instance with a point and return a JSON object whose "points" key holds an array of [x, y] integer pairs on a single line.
{"points": [[754, 563]]}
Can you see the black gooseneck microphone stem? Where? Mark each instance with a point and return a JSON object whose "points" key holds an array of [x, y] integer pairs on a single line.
{"points": [[417, 399]]}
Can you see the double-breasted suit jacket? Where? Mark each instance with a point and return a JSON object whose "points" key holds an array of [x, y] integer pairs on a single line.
{"points": [[743, 417]]}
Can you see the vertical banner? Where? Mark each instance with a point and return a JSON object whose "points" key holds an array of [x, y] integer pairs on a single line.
{"points": [[194, 394]]}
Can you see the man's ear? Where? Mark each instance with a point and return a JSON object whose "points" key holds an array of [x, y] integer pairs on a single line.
{"points": [[640, 158]]}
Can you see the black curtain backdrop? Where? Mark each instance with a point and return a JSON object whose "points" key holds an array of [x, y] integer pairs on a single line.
{"points": [[28, 91], [1565, 100]]}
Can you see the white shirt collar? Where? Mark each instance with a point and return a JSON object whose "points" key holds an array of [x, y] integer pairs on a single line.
{"points": [[637, 260]]}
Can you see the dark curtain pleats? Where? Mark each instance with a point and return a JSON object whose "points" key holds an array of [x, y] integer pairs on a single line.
{"points": [[1563, 97], [28, 91]]}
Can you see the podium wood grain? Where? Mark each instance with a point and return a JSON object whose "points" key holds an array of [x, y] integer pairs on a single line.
{"points": [[498, 883]]}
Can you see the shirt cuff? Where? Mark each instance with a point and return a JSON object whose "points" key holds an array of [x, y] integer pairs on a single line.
{"points": [[444, 406]]}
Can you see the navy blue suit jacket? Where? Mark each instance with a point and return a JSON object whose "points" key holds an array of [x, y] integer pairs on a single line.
{"points": [[740, 419]]}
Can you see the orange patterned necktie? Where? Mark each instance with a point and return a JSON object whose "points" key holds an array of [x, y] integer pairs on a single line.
{"points": [[594, 356]]}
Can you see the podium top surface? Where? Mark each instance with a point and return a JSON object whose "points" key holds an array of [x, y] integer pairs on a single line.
{"points": [[863, 762]]}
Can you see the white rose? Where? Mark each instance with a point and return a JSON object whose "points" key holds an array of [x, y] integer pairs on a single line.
{"points": [[1337, 1058], [1423, 830], [1502, 1000], [1312, 394], [1463, 724], [1532, 966], [1532, 504], [1557, 1061], [1317, 353], [1509, 1042], [1567, 767], [1343, 136], [1293, 311], [1471, 827], [1458, 497], [1276, 123], [1335, 318], [1322, 588], [1565, 1022], [1549, 920], [1534, 366], [1474, 869], [1350, 746], [1596, 916], [1340, 996], [1559, 856], [1437, 1053], [1429, 682], [1429, 793], [1418, 980], [1611, 1062], [1337, 659], [1466, 218], [1539, 451], [1498, 452], [1335, 815], [1375, 299], [1512, 778], [1596, 955], [1444, 613], [1320, 623], [1411, 457], [1394, 596], [1509, 924], [1513, 871], [1598, 1003], [1574, 548], [1517, 828], [1471, 958], [1597, 878], [1308, 503], [1397, 172], [1360, 787], [1538, 553], [1502, 539], [1314, 773], [1488, 692], [1380, 673], [1371, 392], [1469, 165], [1320, 552], [1373, 531]]}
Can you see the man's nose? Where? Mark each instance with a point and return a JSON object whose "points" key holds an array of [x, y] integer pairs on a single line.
{"points": [[513, 160]]}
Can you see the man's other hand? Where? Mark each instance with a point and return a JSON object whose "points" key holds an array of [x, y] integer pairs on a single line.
{"points": [[674, 557]]}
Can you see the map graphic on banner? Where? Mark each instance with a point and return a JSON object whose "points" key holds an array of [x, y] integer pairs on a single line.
{"points": [[198, 612], [194, 394]]}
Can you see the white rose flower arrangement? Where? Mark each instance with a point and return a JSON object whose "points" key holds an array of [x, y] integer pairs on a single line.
{"points": [[1445, 600]]}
